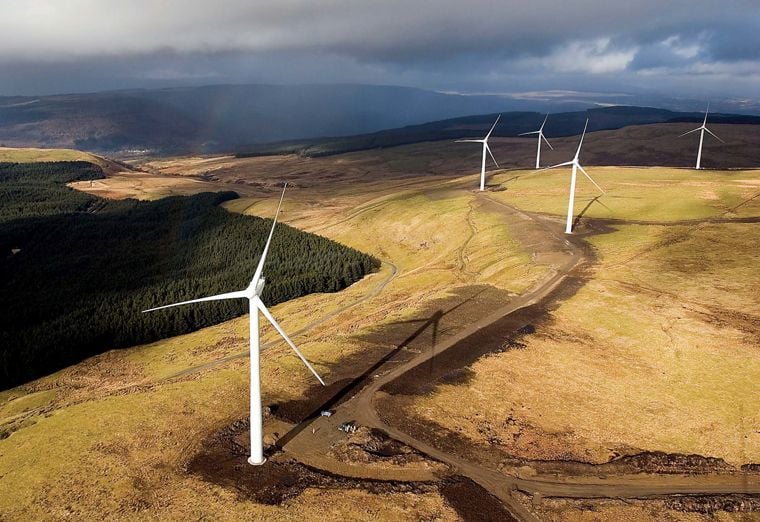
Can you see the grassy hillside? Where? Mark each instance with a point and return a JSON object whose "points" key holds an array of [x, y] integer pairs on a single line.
{"points": [[29, 155], [648, 347], [78, 269]]}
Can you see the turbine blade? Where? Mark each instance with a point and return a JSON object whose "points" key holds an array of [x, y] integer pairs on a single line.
{"points": [[707, 110], [544, 123], [528, 133], [219, 297], [565, 164], [578, 152], [547, 141], [492, 127], [260, 267], [714, 136], [491, 154], [468, 141], [590, 179], [685, 133], [277, 327]]}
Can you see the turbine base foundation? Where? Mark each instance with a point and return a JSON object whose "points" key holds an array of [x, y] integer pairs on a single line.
{"points": [[254, 463]]}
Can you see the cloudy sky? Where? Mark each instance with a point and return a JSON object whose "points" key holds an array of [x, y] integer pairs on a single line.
{"points": [[697, 48]]}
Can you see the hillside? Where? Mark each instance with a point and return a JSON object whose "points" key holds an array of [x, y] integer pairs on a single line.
{"points": [[77, 269], [223, 117], [511, 124], [649, 330], [636, 145], [239, 118]]}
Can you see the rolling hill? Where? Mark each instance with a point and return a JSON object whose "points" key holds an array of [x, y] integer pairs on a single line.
{"points": [[223, 117], [239, 118], [510, 125]]}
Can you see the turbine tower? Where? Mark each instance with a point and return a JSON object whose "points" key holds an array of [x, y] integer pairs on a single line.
{"points": [[576, 166], [253, 294], [541, 136], [702, 128], [484, 141]]}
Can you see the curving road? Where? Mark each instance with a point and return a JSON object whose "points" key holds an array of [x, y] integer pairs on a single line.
{"points": [[362, 408]]}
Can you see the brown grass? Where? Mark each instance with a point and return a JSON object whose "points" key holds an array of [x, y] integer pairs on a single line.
{"points": [[119, 428], [657, 352]]}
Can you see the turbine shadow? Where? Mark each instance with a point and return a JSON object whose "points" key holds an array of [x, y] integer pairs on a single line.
{"points": [[588, 205], [495, 186], [357, 382]]}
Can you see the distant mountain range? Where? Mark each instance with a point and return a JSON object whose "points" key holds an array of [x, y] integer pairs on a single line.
{"points": [[234, 118], [222, 118]]}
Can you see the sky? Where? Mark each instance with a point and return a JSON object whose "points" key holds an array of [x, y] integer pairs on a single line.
{"points": [[695, 48]]}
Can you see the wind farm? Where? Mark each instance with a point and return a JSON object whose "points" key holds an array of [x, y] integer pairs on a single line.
{"points": [[243, 279], [394, 333]]}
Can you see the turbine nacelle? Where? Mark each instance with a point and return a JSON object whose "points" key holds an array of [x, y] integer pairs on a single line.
{"points": [[255, 290]]}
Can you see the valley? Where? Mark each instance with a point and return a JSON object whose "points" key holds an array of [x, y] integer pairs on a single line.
{"points": [[508, 362]]}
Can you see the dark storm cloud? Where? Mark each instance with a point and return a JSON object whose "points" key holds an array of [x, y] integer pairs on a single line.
{"points": [[473, 45]]}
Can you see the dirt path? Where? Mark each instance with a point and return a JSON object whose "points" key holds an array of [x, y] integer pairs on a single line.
{"points": [[464, 259], [311, 447]]}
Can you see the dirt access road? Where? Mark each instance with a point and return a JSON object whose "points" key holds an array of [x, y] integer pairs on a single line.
{"points": [[311, 440]]}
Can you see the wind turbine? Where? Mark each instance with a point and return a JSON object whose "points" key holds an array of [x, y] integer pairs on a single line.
{"points": [[702, 128], [484, 141], [541, 136], [253, 294], [576, 166]]}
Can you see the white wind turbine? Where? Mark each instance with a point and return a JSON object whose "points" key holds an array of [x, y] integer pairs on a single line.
{"points": [[484, 141], [541, 136], [253, 294], [702, 128], [576, 165]]}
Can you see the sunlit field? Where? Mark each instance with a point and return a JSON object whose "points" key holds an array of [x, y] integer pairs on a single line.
{"points": [[648, 194], [120, 427], [655, 352]]}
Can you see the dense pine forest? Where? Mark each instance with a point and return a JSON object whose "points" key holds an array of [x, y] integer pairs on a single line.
{"points": [[39, 189], [77, 270]]}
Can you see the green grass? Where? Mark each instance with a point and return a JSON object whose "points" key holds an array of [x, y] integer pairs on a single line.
{"points": [[649, 194], [12, 404], [29, 155]]}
